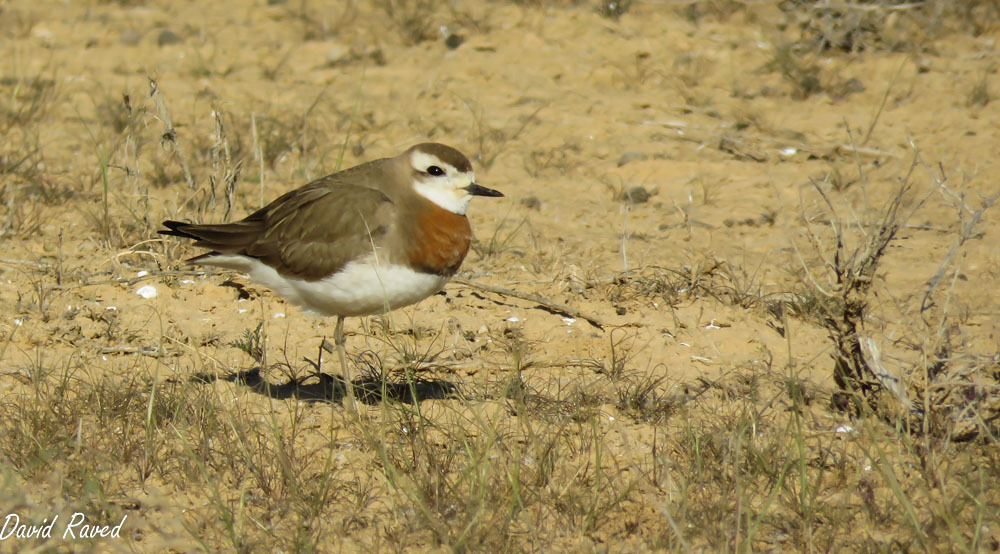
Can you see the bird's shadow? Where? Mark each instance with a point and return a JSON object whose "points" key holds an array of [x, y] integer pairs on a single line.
{"points": [[323, 387]]}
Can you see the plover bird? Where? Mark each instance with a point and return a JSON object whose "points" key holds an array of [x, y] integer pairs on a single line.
{"points": [[366, 240]]}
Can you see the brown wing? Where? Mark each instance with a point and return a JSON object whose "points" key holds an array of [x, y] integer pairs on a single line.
{"points": [[308, 233]]}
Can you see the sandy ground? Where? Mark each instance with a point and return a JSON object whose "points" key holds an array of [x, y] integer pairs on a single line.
{"points": [[566, 112]]}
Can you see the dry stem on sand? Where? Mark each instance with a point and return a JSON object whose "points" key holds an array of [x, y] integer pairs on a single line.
{"points": [[726, 305]]}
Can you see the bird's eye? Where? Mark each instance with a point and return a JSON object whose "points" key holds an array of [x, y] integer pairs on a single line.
{"points": [[435, 171]]}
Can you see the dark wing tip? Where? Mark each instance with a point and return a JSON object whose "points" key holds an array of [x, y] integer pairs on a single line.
{"points": [[176, 229]]}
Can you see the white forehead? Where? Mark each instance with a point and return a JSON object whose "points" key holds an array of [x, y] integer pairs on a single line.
{"points": [[422, 160]]}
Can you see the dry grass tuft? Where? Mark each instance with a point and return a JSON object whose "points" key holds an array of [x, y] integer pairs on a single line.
{"points": [[626, 363]]}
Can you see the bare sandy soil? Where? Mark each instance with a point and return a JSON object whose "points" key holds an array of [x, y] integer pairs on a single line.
{"points": [[675, 175]]}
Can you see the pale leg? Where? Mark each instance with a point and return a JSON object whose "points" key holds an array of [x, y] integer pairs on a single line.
{"points": [[341, 341]]}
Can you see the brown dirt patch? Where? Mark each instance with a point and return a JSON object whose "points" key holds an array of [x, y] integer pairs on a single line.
{"points": [[699, 417]]}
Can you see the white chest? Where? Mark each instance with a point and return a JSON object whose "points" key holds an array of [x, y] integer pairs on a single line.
{"points": [[362, 288]]}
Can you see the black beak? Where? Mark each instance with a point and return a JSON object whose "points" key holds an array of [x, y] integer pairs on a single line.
{"points": [[476, 190]]}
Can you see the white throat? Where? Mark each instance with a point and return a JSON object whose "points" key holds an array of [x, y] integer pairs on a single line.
{"points": [[446, 187], [452, 200]]}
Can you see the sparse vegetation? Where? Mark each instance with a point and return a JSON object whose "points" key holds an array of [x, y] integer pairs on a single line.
{"points": [[740, 297]]}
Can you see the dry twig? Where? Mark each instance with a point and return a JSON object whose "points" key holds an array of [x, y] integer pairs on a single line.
{"points": [[530, 297]]}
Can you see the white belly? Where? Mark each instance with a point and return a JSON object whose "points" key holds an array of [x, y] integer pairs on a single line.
{"points": [[363, 287]]}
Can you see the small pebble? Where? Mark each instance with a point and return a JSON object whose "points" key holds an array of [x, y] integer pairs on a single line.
{"points": [[454, 41], [130, 37], [637, 195], [146, 291], [337, 53], [631, 156], [532, 203], [167, 37]]}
